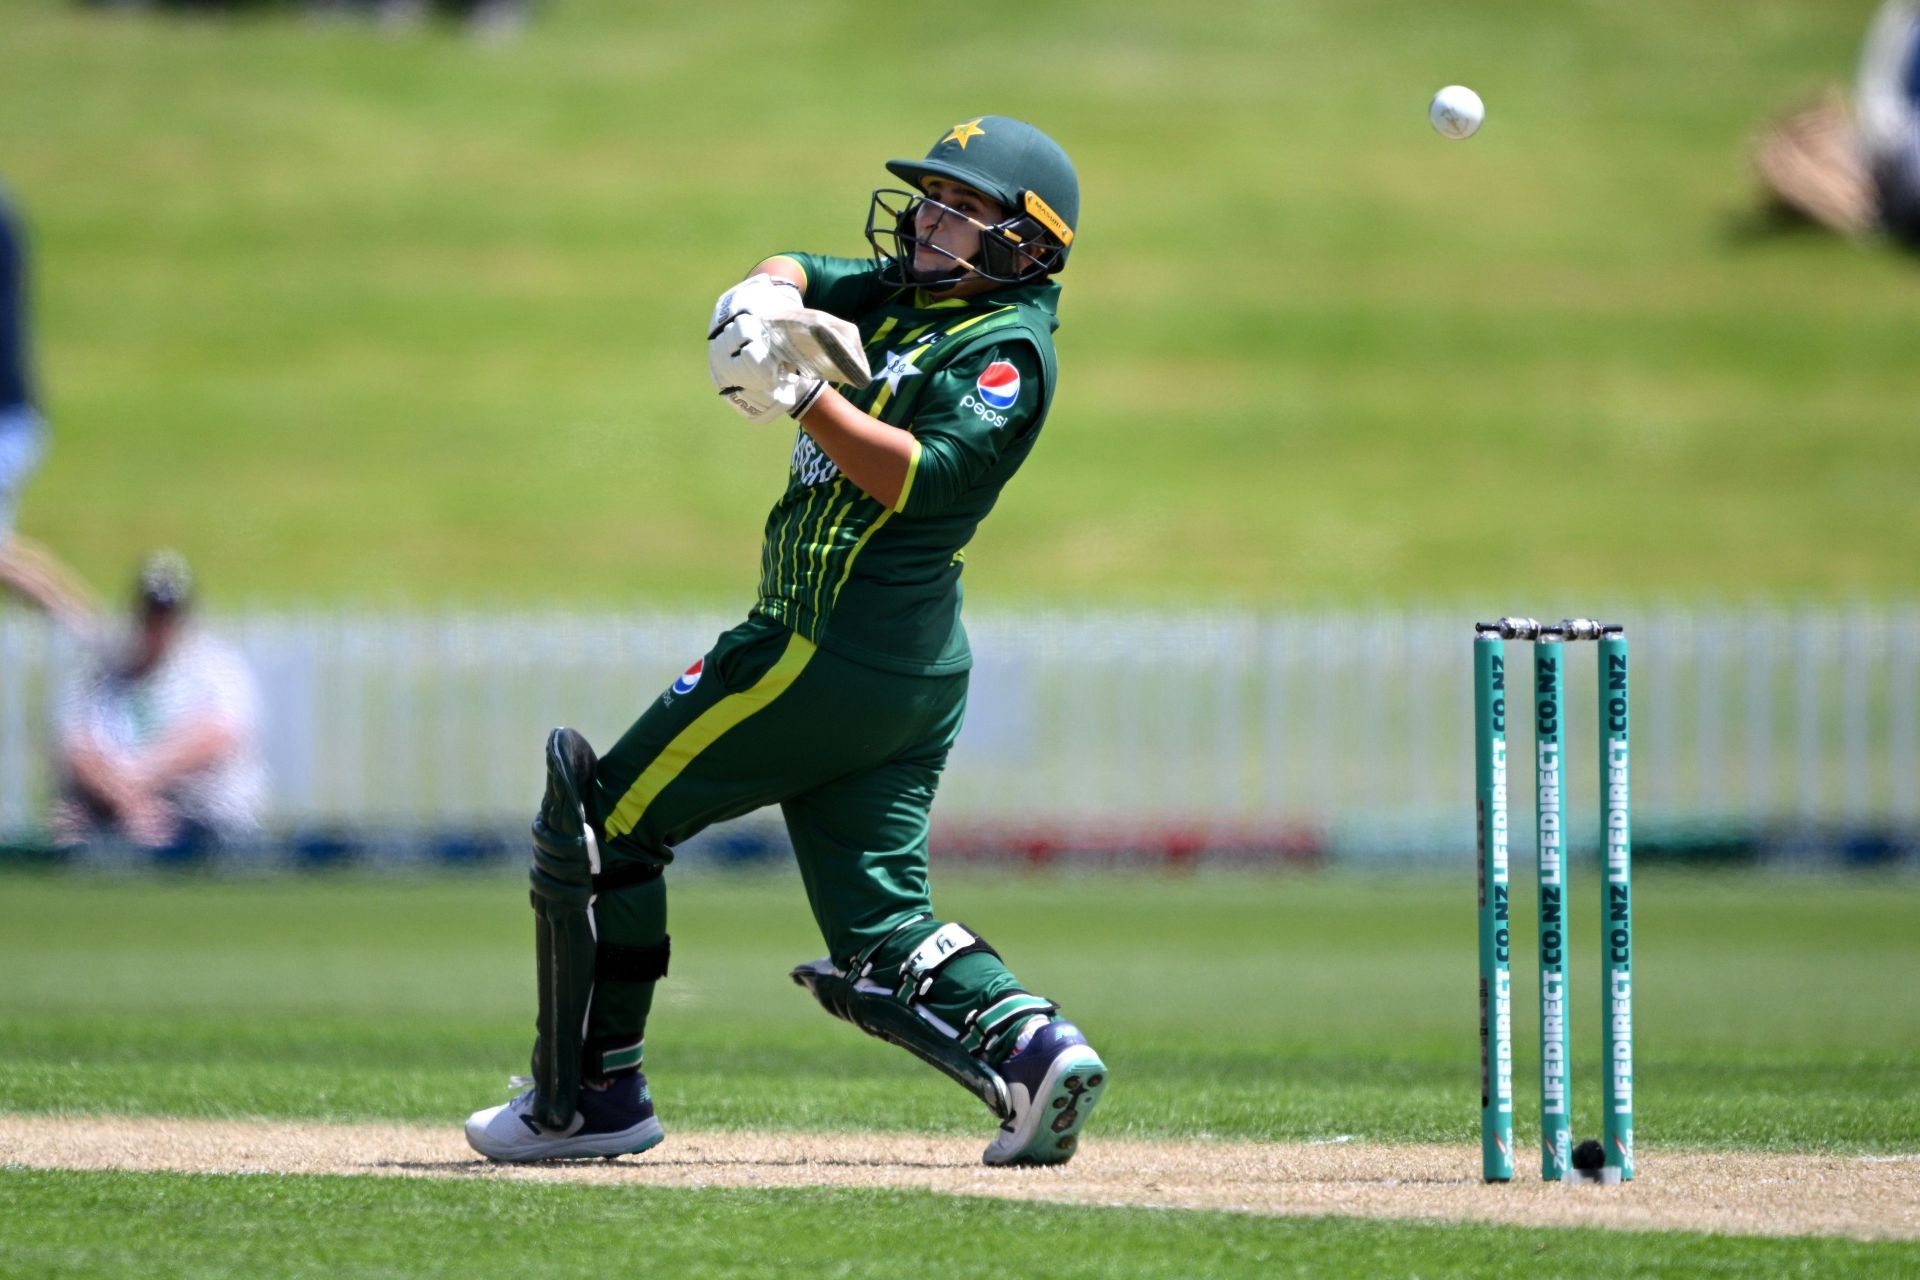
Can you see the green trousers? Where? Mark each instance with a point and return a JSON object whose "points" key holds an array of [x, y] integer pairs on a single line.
{"points": [[851, 754]]}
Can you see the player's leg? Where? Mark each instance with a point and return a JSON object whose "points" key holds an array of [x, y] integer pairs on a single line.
{"points": [[719, 743], [585, 1099], [727, 738], [899, 972]]}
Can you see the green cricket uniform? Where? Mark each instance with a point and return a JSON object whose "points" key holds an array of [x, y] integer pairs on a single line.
{"points": [[972, 380], [840, 696]]}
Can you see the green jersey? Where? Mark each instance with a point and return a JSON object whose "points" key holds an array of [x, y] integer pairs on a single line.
{"points": [[971, 379]]}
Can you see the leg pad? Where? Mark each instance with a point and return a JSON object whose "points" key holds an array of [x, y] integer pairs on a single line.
{"points": [[565, 859], [880, 1014]]}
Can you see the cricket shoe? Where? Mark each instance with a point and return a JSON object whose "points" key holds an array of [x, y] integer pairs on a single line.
{"points": [[1052, 1083], [615, 1121]]}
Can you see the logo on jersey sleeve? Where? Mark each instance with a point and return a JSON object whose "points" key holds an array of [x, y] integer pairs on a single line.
{"points": [[999, 385], [690, 677]]}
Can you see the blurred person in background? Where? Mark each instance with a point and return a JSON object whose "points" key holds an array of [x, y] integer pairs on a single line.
{"points": [[158, 738], [486, 20], [27, 570], [1857, 171]]}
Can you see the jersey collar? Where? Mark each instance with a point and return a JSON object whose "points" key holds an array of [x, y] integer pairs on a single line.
{"points": [[1043, 297]]}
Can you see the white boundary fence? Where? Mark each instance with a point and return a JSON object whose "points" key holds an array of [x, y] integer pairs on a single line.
{"points": [[1349, 730]]}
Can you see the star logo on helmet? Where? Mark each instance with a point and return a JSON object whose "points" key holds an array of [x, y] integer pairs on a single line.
{"points": [[964, 131], [899, 366]]}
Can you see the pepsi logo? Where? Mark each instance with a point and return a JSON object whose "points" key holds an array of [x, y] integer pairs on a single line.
{"points": [[690, 677], [999, 385]]}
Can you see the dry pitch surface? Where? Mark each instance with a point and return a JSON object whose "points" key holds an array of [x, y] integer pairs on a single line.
{"points": [[1864, 1197]]}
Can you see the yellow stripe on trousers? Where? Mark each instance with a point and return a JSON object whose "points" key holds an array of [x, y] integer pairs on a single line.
{"points": [[704, 732]]}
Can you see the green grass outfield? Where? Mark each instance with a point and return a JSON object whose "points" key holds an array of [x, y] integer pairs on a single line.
{"points": [[82, 1226], [1773, 1014], [350, 316]]}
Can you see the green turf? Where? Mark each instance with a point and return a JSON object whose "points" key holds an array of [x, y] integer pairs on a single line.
{"points": [[55, 1225], [356, 317], [1770, 1011]]}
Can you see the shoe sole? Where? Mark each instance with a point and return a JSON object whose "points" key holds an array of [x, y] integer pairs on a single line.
{"points": [[1070, 1089], [599, 1146]]}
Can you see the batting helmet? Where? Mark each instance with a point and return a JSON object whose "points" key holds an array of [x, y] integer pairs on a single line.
{"points": [[1007, 160]]}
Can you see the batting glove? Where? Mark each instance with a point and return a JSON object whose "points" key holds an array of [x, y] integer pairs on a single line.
{"points": [[759, 295], [740, 356], [749, 374], [792, 396]]}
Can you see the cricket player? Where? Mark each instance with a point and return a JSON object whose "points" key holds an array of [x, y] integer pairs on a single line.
{"points": [[840, 696]]}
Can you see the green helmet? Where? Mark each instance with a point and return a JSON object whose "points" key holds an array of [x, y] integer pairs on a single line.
{"points": [[1013, 163]]}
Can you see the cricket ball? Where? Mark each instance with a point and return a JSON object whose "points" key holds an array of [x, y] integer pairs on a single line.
{"points": [[1456, 112]]}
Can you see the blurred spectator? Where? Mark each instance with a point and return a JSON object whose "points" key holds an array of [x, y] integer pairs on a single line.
{"points": [[158, 740], [1889, 107], [486, 20], [26, 569], [1858, 172]]}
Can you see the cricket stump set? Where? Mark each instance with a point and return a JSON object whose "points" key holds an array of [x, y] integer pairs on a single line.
{"points": [[1559, 1160]]}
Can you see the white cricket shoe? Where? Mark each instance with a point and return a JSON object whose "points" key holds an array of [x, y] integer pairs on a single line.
{"points": [[615, 1121]]}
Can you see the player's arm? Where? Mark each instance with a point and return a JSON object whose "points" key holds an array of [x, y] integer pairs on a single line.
{"points": [[847, 287], [958, 438], [781, 267], [955, 440], [873, 454], [877, 457], [776, 286]]}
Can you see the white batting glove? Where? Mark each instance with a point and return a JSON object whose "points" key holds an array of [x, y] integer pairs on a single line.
{"points": [[792, 396], [740, 356], [748, 372], [760, 295], [754, 406]]}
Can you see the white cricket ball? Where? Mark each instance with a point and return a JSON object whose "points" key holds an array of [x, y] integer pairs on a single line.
{"points": [[1456, 112]]}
